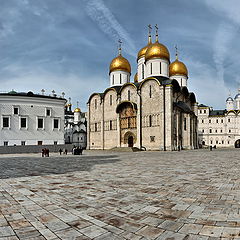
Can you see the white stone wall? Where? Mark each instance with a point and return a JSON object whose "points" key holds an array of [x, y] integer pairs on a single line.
{"points": [[32, 108], [157, 67], [141, 69], [119, 78], [182, 80]]}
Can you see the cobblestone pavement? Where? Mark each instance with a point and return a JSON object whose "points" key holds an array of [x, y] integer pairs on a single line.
{"points": [[109, 196]]}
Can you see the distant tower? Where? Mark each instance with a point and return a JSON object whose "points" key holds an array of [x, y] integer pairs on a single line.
{"points": [[120, 69], [178, 71], [229, 103], [157, 59], [77, 115]]}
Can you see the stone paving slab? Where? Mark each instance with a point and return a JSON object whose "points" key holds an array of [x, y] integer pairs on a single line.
{"points": [[105, 195]]}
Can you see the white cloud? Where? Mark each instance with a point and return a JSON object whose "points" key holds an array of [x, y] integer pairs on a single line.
{"points": [[107, 22]]}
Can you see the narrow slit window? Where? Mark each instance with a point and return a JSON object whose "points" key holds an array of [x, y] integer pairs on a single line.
{"points": [[150, 91]]}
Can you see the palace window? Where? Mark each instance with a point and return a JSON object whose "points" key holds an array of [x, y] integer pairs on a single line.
{"points": [[211, 142], [202, 121], [23, 143], [217, 121], [56, 123], [204, 111], [95, 127], [23, 122], [222, 121], [55, 142], [210, 130], [6, 122], [5, 143], [216, 130], [216, 141], [222, 142], [209, 120], [203, 130], [15, 110], [40, 123], [200, 111], [48, 112], [229, 120], [229, 130]]}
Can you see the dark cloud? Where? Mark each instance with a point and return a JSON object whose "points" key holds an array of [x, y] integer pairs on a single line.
{"points": [[68, 45]]}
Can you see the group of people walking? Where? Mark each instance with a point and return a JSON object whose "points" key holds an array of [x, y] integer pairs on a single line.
{"points": [[45, 152]]}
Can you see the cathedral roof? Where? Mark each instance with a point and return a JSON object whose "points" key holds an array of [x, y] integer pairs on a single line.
{"points": [[217, 113], [183, 106]]}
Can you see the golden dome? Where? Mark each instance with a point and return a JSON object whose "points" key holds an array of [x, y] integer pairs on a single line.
{"points": [[77, 110], [142, 52], [157, 50], [136, 78], [177, 68], [69, 104], [120, 64]]}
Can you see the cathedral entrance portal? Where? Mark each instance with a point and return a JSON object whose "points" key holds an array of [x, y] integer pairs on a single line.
{"points": [[130, 141], [237, 144]]}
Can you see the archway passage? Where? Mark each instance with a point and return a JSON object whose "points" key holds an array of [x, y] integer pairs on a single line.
{"points": [[237, 144], [130, 141]]}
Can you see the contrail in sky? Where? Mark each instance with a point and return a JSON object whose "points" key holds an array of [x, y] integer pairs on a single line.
{"points": [[107, 22]]}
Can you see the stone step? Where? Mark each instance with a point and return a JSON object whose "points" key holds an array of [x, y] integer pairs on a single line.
{"points": [[125, 149]]}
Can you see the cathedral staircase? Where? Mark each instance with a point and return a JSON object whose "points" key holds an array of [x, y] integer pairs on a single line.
{"points": [[125, 149]]}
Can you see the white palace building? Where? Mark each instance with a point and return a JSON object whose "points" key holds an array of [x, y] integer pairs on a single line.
{"points": [[31, 119], [220, 127]]}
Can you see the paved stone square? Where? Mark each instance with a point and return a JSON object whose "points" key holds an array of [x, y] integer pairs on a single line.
{"points": [[109, 195]]}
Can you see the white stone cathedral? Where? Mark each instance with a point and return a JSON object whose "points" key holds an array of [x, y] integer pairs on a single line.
{"points": [[156, 111]]}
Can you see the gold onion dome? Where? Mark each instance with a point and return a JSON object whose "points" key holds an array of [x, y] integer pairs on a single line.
{"points": [[157, 50], [177, 68], [120, 64], [77, 110], [136, 78]]}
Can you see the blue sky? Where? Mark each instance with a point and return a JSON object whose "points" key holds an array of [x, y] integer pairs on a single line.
{"points": [[67, 45]]}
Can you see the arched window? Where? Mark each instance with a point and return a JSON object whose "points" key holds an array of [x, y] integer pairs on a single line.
{"points": [[110, 100], [110, 123], [150, 68], [150, 91], [129, 95], [160, 67], [150, 121], [113, 79], [95, 103], [120, 78]]}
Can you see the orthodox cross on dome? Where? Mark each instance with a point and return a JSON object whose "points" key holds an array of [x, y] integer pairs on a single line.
{"points": [[149, 33], [77, 103], [43, 91], [63, 94], [156, 27], [176, 52], [119, 47], [69, 99]]}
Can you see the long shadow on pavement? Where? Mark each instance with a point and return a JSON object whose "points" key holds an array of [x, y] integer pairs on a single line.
{"points": [[37, 166]]}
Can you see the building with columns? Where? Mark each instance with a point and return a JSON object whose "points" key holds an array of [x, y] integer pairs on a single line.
{"points": [[220, 127], [155, 111]]}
